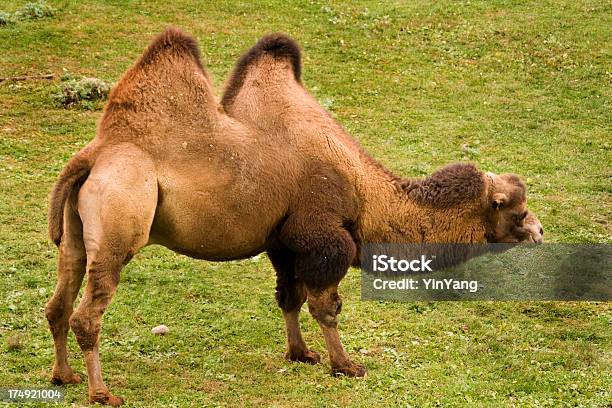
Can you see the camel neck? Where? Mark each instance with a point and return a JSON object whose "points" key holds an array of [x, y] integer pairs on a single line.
{"points": [[388, 215]]}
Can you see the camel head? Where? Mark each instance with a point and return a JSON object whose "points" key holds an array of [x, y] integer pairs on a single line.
{"points": [[508, 218]]}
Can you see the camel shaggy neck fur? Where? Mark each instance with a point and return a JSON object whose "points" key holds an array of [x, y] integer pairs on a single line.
{"points": [[268, 170]]}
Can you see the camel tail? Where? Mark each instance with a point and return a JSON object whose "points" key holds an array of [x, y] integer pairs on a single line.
{"points": [[75, 171]]}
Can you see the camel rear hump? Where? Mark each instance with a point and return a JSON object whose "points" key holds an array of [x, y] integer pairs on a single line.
{"points": [[279, 46]]}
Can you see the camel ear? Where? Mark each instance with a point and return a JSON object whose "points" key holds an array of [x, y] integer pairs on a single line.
{"points": [[499, 200]]}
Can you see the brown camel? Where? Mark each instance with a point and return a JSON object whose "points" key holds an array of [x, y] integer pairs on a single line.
{"points": [[168, 166]]}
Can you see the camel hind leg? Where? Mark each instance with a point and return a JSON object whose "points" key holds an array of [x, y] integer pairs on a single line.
{"points": [[116, 204], [71, 268]]}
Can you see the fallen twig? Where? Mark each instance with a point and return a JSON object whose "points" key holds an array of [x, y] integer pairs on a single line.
{"points": [[27, 78]]}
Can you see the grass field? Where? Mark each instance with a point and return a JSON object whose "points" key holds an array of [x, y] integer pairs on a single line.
{"points": [[520, 86]]}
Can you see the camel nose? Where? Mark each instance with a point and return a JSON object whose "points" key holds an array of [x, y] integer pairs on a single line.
{"points": [[539, 238]]}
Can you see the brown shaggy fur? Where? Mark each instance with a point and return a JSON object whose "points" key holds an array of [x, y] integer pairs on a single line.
{"points": [[448, 187], [274, 173]]}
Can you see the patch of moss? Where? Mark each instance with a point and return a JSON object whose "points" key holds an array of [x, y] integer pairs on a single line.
{"points": [[6, 18], [30, 11], [33, 11], [81, 92]]}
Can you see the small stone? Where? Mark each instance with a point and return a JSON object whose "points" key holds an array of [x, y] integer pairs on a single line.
{"points": [[160, 330], [14, 342]]}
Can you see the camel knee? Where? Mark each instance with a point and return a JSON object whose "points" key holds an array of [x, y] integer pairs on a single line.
{"points": [[85, 322], [53, 311], [56, 312], [86, 328], [325, 307]]}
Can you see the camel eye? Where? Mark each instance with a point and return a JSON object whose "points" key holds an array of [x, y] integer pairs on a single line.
{"points": [[521, 217]]}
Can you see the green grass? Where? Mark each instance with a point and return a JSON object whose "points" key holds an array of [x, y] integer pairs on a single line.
{"points": [[519, 86]]}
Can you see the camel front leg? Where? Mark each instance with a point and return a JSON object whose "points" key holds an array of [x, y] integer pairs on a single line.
{"points": [[325, 305], [297, 350], [324, 252], [290, 296]]}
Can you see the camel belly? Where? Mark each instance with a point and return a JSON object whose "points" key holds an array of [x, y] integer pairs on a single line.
{"points": [[214, 215], [206, 238]]}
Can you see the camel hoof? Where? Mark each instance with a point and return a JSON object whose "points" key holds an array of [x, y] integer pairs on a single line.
{"points": [[70, 378], [351, 370], [106, 399], [308, 356]]}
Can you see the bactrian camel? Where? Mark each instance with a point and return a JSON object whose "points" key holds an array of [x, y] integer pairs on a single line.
{"points": [[267, 170]]}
